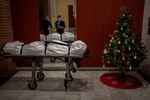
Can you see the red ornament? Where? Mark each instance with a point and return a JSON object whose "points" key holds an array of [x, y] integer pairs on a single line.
{"points": [[110, 35], [123, 49], [138, 49], [116, 31]]}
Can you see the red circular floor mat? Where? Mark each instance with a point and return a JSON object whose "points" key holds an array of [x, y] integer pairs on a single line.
{"points": [[116, 81]]}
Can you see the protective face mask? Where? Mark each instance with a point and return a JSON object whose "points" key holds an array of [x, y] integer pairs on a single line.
{"points": [[59, 18]]}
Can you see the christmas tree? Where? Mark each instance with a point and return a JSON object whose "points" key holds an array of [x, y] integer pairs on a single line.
{"points": [[124, 50]]}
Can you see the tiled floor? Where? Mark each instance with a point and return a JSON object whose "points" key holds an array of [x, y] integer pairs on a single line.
{"points": [[86, 86]]}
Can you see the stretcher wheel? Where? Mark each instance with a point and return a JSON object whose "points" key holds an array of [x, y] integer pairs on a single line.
{"points": [[32, 85], [52, 59], [73, 65], [73, 69], [40, 76]]}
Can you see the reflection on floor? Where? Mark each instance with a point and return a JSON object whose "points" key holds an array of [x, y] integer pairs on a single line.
{"points": [[86, 86]]}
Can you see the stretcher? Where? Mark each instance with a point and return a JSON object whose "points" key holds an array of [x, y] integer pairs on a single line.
{"points": [[69, 60], [64, 51]]}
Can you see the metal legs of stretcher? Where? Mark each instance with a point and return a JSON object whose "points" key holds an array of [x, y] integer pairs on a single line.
{"points": [[68, 76], [32, 84]]}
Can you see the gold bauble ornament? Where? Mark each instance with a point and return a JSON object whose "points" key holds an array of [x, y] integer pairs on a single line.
{"points": [[112, 38], [105, 51], [123, 14], [119, 42], [135, 57], [129, 48], [108, 62], [124, 35], [130, 67], [132, 40], [121, 28], [123, 58]]}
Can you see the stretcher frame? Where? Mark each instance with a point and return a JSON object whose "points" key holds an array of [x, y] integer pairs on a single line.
{"points": [[69, 59]]}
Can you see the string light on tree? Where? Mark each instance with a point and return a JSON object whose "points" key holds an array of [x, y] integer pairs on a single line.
{"points": [[124, 49]]}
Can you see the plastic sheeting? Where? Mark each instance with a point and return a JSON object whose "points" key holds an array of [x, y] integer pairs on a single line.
{"points": [[13, 48], [34, 48], [53, 36], [78, 48], [54, 48], [57, 47], [68, 36]]}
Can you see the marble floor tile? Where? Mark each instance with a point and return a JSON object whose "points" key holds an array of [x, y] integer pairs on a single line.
{"points": [[85, 86]]}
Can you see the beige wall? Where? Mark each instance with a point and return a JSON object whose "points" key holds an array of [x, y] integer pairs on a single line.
{"points": [[145, 66], [62, 9], [145, 36]]}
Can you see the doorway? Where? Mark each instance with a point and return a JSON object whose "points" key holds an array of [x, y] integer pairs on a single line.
{"points": [[71, 18], [67, 10], [53, 8]]}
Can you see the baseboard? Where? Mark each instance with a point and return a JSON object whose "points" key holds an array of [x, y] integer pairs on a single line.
{"points": [[64, 69]]}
